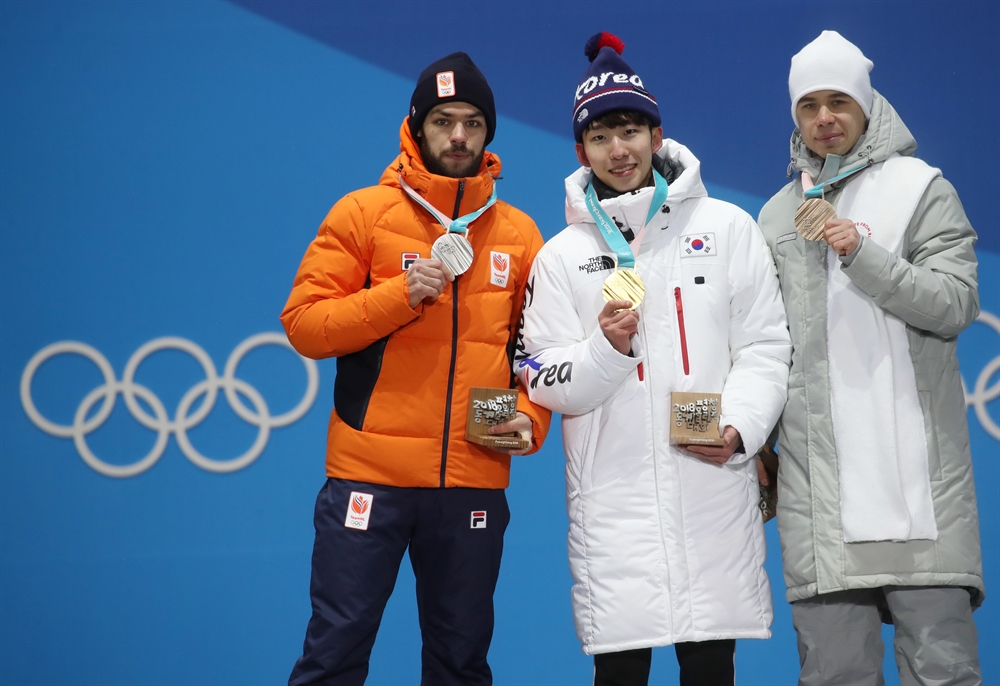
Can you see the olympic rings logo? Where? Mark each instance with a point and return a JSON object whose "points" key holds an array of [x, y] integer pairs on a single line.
{"points": [[159, 421], [981, 392]]}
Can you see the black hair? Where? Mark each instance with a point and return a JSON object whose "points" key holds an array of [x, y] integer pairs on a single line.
{"points": [[616, 118]]}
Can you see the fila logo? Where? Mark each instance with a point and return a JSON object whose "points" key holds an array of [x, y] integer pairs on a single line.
{"points": [[409, 258], [499, 268], [359, 509], [478, 520], [701, 245], [446, 84]]}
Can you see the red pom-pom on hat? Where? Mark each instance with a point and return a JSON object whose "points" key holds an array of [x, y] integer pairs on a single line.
{"points": [[602, 40]]}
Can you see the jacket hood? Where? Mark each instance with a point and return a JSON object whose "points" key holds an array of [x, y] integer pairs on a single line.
{"points": [[886, 135], [440, 191], [687, 185]]}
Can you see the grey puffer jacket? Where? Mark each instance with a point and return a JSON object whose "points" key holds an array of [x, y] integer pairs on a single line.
{"points": [[932, 287]]}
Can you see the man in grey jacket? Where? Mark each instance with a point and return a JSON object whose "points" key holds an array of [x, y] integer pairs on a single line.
{"points": [[877, 506]]}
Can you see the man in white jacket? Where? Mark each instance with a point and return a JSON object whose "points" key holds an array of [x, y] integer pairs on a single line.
{"points": [[666, 545]]}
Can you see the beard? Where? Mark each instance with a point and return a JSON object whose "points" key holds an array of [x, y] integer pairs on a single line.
{"points": [[437, 165]]}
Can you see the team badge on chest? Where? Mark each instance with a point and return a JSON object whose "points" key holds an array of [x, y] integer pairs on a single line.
{"points": [[698, 245], [499, 268]]}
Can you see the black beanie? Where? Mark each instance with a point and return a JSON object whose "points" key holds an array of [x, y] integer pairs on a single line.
{"points": [[454, 78]]}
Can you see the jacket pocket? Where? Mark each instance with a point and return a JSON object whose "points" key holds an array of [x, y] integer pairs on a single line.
{"points": [[579, 442], [930, 431]]}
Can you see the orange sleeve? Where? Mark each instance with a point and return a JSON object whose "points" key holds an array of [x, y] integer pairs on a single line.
{"points": [[331, 310], [540, 416]]}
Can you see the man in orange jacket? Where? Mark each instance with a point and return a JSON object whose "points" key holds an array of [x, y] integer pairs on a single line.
{"points": [[416, 286]]}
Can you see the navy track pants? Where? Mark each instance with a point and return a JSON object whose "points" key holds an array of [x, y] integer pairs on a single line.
{"points": [[455, 538]]}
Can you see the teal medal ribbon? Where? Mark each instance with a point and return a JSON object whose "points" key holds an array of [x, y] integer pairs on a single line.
{"points": [[612, 234], [624, 282], [460, 225], [817, 191], [453, 248]]}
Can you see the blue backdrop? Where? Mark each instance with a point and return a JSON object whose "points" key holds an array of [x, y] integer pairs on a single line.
{"points": [[163, 166]]}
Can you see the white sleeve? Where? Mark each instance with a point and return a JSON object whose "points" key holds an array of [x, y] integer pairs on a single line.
{"points": [[563, 367], [757, 384]]}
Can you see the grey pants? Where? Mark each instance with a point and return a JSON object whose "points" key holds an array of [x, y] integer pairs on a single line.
{"points": [[840, 637]]}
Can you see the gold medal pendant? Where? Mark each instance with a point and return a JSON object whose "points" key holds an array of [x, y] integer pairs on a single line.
{"points": [[624, 284], [811, 218]]}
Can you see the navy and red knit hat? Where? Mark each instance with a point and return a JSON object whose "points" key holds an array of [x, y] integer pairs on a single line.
{"points": [[609, 84]]}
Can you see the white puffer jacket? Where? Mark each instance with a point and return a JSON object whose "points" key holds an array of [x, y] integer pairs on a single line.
{"points": [[663, 547]]}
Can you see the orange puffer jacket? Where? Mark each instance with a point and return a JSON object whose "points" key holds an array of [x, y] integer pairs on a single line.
{"points": [[403, 375]]}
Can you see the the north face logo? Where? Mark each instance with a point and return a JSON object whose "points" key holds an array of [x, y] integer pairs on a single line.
{"points": [[597, 264]]}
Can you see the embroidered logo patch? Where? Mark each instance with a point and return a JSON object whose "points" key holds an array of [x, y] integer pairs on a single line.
{"points": [[583, 114], [409, 258], [597, 264], [499, 268], [700, 245], [786, 237], [863, 229], [446, 84], [478, 520], [359, 509]]}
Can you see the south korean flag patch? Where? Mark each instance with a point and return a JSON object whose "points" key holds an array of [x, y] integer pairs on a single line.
{"points": [[698, 245]]}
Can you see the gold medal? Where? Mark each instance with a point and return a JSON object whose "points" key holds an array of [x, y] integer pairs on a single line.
{"points": [[624, 284], [811, 218]]}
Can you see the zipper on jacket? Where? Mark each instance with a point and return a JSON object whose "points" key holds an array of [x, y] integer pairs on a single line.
{"points": [[458, 198], [680, 325], [454, 348]]}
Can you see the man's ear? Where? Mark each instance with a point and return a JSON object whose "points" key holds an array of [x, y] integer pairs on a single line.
{"points": [[657, 135], [581, 155]]}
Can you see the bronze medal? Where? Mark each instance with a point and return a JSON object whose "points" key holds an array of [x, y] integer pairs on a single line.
{"points": [[455, 251], [811, 218], [624, 284]]}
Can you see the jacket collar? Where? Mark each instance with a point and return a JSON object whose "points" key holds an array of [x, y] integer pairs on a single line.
{"points": [[440, 191]]}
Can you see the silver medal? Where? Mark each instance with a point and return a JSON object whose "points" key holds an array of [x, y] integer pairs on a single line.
{"points": [[455, 251]]}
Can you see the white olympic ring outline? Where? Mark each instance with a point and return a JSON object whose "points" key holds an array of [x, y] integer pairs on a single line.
{"points": [[260, 416], [981, 393]]}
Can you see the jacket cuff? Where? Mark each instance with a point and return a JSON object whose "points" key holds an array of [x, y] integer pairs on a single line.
{"points": [[751, 444], [868, 263], [388, 306], [608, 358], [846, 260], [539, 416]]}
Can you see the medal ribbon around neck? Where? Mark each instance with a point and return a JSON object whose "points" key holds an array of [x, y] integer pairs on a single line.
{"points": [[624, 283], [453, 248], [819, 190]]}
